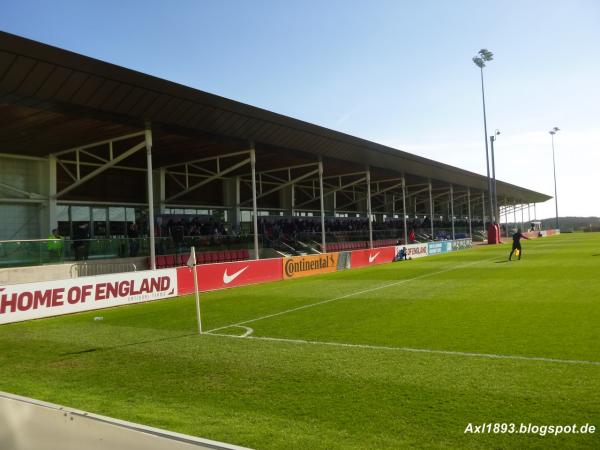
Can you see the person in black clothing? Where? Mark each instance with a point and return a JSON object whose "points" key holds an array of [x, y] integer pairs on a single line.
{"points": [[517, 243], [134, 244], [81, 242]]}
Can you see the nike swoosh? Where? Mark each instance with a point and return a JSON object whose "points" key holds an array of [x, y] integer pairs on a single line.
{"points": [[372, 257], [229, 278]]}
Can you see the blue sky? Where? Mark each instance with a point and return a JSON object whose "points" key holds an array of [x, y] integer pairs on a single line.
{"points": [[395, 72]]}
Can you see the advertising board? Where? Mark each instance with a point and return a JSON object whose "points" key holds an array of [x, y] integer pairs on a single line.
{"points": [[414, 250], [230, 274], [370, 257], [301, 266], [52, 298]]}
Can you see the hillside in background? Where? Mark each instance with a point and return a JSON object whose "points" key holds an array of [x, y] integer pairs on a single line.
{"points": [[573, 223]]}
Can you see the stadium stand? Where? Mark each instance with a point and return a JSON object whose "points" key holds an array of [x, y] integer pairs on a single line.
{"points": [[165, 261]]}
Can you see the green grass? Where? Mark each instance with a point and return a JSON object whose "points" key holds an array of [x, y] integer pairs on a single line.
{"points": [[144, 363]]}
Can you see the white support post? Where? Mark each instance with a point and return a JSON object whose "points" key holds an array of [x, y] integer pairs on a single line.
{"points": [[431, 211], [162, 188], [522, 217], [368, 176], [52, 217], [528, 214], [404, 210], [452, 210], [506, 215], [515, 214], [534, 212], [254, 207], [483, 210], [148, 142], [469, 211], [323, 243]]}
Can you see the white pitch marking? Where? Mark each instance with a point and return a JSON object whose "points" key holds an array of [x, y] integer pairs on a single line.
{"points": [[248, 332], [352, 294], [417, 350]]}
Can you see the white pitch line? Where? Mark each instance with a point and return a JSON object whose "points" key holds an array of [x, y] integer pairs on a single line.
{"points": [[352, 294], [416, 350]]}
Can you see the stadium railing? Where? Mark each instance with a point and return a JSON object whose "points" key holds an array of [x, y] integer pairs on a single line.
{"points": [[20, 253]]}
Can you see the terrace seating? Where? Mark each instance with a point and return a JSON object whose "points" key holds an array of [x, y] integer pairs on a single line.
{"points": [[164, 261]]}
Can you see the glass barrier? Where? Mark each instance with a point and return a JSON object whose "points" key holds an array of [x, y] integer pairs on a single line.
{"points": [[57, 251]]}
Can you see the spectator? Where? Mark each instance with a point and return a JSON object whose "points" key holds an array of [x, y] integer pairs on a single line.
{"points": [[55, 246], [81, 242], [133, 235]]}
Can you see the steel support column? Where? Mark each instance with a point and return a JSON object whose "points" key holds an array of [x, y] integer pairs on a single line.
{"points": [[52, 217], [431, 212], [452, 210], [254, 207], [404, 210], [368, 176], [148, 142], [469, 212], [522, 218], [323, 243], [483, 210]]}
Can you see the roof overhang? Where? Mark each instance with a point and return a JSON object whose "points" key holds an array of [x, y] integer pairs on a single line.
{"points": [[52, 99]]}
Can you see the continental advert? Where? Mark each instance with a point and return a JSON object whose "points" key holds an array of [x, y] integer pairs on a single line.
{"points": [[301, 266]]}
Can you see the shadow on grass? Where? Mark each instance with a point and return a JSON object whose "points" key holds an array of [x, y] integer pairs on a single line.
{"points": [[503, 261], [129, 344]]}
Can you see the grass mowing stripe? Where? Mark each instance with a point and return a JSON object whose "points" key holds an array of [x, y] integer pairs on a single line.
{"points": [[146, 363], [412, 350], [352, 294]]}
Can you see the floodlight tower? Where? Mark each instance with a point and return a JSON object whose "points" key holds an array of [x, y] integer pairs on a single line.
{"points": [[552, 132], [480, 59]]}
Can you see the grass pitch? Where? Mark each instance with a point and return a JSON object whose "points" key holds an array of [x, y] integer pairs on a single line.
{"points": [[395, 356]]}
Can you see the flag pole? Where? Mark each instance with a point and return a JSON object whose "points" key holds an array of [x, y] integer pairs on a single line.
{"points": [[192, 264]]}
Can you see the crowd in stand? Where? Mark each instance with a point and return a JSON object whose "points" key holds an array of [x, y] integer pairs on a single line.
{"points": [[193, 226], [276, 227]]}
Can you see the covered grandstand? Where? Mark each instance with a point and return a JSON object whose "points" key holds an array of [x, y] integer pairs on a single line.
{"points": [[87, 142]]}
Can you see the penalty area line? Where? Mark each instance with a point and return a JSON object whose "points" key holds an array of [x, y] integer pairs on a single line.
{"points": [[413, 350], [352, 294]]}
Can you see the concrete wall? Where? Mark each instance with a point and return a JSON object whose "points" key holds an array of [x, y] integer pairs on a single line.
{"points": [[27, 424], [49, 272]]}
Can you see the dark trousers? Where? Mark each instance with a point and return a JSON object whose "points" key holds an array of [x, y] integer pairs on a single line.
{"points": [[515, 247]]}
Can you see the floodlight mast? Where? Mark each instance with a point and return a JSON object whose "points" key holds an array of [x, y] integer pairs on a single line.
{"points": [[552, 132], [480, 59]]}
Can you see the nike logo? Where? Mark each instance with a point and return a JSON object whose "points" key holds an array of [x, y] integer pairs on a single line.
{"points": [[229, 278], [372, 257]]}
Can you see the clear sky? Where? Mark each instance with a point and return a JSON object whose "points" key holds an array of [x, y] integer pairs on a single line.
{"points": [[395, 72]]}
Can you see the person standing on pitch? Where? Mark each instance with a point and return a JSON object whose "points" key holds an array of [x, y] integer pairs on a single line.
{"points": [[517, 244]]}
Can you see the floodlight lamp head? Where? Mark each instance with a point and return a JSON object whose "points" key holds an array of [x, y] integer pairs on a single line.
{"points": [[478, 62], [552, 132], [497, 132], [486, 55], [556, 129]]}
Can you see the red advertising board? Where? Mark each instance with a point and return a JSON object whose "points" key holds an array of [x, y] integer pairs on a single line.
{"points": [[361, 258], [225, 275]]}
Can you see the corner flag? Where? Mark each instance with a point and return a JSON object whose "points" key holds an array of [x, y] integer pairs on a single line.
{"points": [[191, 263]]}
